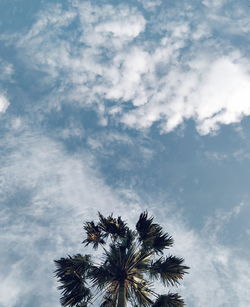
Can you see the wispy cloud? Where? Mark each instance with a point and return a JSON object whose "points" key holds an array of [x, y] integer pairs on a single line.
{"points": [[7, 70], [217, 270], [46, 194], [49, 193]]}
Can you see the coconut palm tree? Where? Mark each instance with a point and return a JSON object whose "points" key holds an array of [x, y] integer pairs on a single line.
{"points": [[130, 262]]}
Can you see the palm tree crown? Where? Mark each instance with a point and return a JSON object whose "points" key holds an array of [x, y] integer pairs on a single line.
{"points": [[129, 258]]}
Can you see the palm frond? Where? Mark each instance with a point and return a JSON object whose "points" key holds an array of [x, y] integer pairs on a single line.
{"points": [[151, 235], [143, 226], [128, 240], [101, 276], [161, 240], [169, 300], [111, 295], [71, 273], [82, 304], [141, 291], [107, 301], [94, 235], [114, 227], [168, 270]]}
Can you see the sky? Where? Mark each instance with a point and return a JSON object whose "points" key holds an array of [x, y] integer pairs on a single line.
{"points": [[125, 106]]}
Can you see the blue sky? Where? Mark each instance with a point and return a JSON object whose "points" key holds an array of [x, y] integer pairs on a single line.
{"points": [[122, 106]]}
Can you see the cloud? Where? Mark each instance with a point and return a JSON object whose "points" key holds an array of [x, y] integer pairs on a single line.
{"points": [[48, 193], [7, 70], [217, 93], [4, 103], [150, 4], [139, 70], [45, 193], [129, 27], [111, 62], [213, 3], [224, 95], [217, 271]]}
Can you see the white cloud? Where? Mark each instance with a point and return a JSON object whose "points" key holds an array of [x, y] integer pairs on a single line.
{"points": [[6, 70], [4, 103], [46, 195], [214, 266], [130, 26], [214, 3], [110, 62], [10, 291], [217, 93], [150, 4], [223, 96]]}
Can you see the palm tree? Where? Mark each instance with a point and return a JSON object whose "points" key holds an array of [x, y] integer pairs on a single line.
{"points": [[131, 261]]}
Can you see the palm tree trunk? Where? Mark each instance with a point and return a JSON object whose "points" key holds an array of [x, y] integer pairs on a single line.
{"points": [[121, 302]]}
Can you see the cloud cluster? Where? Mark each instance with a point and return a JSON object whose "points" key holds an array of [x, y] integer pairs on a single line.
{"points": [[214, 94], [141, 70]]}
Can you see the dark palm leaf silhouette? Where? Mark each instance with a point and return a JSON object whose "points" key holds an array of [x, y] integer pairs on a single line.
{"points": [[151, 235], [169, 270], [127, 266], [94, 235], [71, 272], [112, 226], [169, 300]]}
